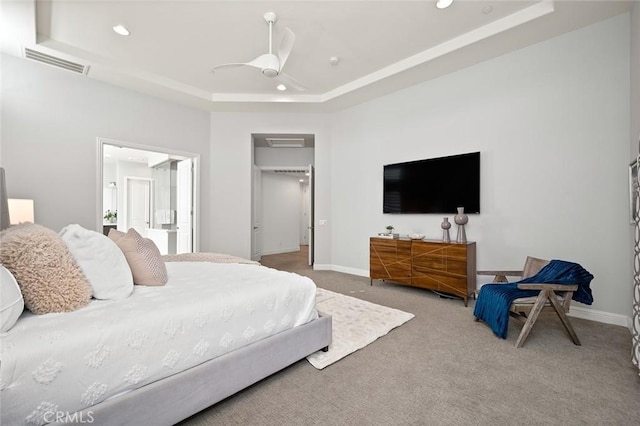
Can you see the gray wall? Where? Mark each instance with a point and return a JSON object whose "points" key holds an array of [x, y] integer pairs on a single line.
{"points": [[553, 122], [281, 213], [231, 161], [50, 121]]}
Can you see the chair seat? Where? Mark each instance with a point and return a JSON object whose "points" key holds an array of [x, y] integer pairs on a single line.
{"points": [[532, 299]]}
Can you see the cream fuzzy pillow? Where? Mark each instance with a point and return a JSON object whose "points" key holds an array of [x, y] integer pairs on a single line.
{"points": [[48, 276], [143, 257]]}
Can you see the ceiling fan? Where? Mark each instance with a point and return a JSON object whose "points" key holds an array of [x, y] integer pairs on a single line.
{"points": [[271, 64]]}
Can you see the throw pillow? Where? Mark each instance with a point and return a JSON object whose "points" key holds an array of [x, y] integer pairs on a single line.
{"points": [[11, 301], [101, 261], [115, 235], [48, 276], [144, 259]]}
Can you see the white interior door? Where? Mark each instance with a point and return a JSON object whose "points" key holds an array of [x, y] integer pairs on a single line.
{"points": [[256, 214], [311, 215], [138, 204], [184, 202]]}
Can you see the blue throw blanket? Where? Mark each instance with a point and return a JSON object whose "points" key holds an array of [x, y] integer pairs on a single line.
{"points": [[495, 300]]}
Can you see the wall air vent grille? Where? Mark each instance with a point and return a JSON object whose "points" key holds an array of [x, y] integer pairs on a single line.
{"points": [[56, 62]]}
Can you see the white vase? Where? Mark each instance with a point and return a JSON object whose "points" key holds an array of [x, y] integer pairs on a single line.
{"points": [[461, 220], [445, 225]]}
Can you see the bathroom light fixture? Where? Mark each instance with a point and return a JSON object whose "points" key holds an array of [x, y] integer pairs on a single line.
{"points": [[121, 29], [443, 4]]}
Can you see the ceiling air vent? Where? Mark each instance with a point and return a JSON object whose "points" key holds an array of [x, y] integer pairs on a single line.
{"points": [[289, 171], [56, 62], [285, 142]]}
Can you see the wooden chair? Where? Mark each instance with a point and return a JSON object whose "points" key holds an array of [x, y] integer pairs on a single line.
{"points": [[555, 297]]}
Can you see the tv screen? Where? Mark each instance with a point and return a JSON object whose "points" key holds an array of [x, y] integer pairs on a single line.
{"points": [[434, 185]]}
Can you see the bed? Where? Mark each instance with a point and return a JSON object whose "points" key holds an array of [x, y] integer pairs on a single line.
{"points": [[159, 353]]}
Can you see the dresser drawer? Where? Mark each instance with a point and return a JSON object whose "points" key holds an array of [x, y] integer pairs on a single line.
{"points": [[435, 265]]}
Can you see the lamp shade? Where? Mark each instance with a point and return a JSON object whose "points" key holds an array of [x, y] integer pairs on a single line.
{"points": [[20, 211], [4, 205]]}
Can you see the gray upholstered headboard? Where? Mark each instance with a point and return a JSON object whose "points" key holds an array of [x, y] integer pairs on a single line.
{"points": [[4, 204]]}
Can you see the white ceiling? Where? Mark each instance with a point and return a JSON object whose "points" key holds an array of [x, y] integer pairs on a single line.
{"points": [[383, 46]]}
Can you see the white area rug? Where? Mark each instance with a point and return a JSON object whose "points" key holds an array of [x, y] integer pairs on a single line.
{"points": [[356, 323]]}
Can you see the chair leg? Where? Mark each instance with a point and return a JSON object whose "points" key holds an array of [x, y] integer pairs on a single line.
{"points": [[565, 320], [533, 316]]}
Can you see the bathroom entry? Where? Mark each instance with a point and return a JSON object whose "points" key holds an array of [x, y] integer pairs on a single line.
{"points": [[150, 190]]}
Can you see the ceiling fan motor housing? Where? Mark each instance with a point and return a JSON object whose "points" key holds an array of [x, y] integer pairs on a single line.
{"points": [[271, 65]]}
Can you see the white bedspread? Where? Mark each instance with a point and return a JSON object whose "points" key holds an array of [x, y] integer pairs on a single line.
{"points": [[66, 362]]}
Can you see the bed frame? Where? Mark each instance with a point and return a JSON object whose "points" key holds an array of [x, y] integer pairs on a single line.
{"points": [[174, 398]]}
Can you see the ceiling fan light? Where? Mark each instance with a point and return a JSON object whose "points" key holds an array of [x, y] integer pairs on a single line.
{"points": [[443, 4], [121, 29]]}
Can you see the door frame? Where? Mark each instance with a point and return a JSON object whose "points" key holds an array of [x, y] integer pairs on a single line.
{"points": [[100, 142], [312, 220], [256, 213]]}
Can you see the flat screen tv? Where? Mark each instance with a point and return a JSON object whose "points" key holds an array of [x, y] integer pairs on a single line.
{"points": [[434, 185]]}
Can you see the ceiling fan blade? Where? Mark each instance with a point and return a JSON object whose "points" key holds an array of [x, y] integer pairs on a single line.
{"points": [[286, 44], [291, 82], [267, 60], [260, 62], [232, 65]]}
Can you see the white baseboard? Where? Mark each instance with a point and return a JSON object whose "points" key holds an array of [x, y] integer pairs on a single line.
{"points": [[576, 311], [600, 316], [321, 267]]}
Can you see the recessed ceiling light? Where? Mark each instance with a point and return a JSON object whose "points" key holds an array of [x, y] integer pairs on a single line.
{"points": [[281, 87], [120, 29], [487, 10], [443, 4], [334, 60]]}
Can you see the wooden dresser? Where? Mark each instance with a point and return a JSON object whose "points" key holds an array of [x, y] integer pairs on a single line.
{"points": [[431, 264]]}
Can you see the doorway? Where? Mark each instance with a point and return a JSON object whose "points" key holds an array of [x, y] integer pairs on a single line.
{"points": [[151, 190], [282, 195], [293, 262]]}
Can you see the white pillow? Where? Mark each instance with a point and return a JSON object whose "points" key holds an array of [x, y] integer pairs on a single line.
{"points": [[11, 302], [101, 260]]}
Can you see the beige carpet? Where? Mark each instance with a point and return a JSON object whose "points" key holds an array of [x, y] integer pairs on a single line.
{"points": [[356, 323]]}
